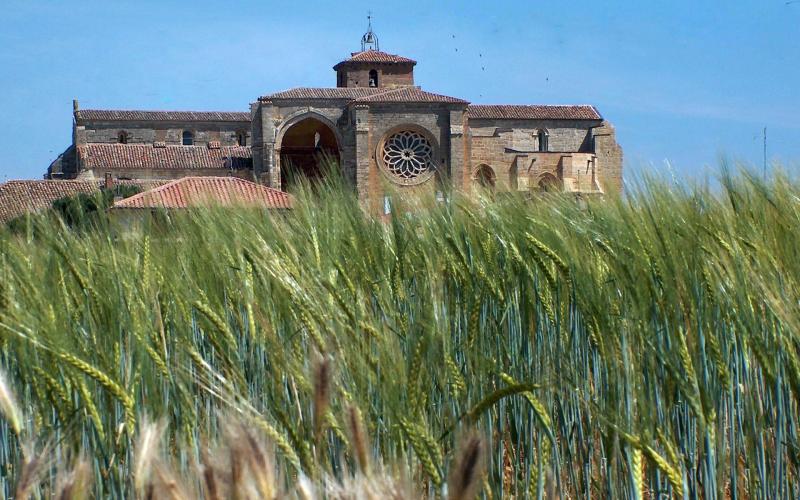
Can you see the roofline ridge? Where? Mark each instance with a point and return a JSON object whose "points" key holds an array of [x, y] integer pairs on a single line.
{"points": [[59, 181], [528, 105], [369, 98], [442, 95], [157, 110], [378, 93], [138, 196], [342, 90], [585, 112], [125, 202], [150, 145]]}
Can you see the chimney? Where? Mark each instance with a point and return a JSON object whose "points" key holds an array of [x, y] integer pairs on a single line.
{"points": [[109, 181], [75, 105]]}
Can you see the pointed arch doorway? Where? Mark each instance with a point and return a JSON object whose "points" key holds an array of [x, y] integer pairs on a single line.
{"points": [[308, 148]]}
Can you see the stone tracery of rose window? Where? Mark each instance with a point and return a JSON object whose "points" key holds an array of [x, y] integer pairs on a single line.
{"points": [[408, 155]]}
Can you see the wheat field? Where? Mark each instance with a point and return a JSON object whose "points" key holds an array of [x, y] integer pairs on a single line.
{"points": [[641, 347]]}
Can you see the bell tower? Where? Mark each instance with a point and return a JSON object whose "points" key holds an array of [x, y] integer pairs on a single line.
{"points": [[372, 68]]}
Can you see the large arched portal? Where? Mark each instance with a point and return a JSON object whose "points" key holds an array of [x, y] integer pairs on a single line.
{"points": [[307, 149]]}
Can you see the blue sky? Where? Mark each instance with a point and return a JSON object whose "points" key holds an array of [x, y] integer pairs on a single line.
{"points": [[683, 81]]}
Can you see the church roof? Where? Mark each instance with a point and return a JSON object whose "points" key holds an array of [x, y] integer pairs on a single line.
{"points": [[19, 197], [147, 156], [409, 94], [198, 191], [365, 95], [533, 112], [113, 115], [345, 93], [375, 56]]}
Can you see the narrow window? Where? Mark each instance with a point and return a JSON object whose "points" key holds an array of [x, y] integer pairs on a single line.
{"points": [[373, 78], [122, 137], [241, 138], [543, 146], [188, 138]]}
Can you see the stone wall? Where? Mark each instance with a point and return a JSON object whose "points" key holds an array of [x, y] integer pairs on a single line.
{"points": [[564, 136], [163, 174], [609, 157], [582, 154], [169, 132]]}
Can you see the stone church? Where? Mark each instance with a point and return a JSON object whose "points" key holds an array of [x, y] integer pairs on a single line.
{"points": [[377, 125]]}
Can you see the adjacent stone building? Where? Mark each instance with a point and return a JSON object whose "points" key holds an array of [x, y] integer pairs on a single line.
{"points": [[376, 125]]}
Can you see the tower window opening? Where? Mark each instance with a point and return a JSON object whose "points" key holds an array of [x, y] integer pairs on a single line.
{"points": [[373, 78], [241, 138], [188, 138], [122, 137]]}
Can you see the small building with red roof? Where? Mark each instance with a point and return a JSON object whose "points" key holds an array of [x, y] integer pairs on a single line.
{"points": [[194, 192]]}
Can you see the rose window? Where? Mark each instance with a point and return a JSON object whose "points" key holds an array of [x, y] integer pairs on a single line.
{"points": [[407, 155]]}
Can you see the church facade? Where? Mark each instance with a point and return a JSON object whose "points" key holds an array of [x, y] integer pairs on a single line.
{"points": [[382, 130]]}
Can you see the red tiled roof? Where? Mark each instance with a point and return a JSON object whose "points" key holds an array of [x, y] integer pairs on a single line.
{"points": [[99, 156], [533, 112], [365, 94], [198, 191], [375, 56], [409, 94], [19, 197], [346, 93], [113, 115]]}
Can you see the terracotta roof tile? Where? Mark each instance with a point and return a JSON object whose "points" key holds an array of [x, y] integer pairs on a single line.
{"points": [[364, 94], [345, 93], [410, 94], [533, 112], [375, 56], [198, 191], [157, 116], [99, 156], [19, 197]]}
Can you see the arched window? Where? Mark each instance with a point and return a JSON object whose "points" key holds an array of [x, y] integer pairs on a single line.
{"points": [[122, 137], [241, 138], [543, 146], [188, 138], [485, 177], [373, 78], [549, 183]]}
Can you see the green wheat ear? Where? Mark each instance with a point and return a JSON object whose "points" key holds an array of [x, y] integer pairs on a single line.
{"points": [[107, 383], [490, 400], [539, 409]]}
